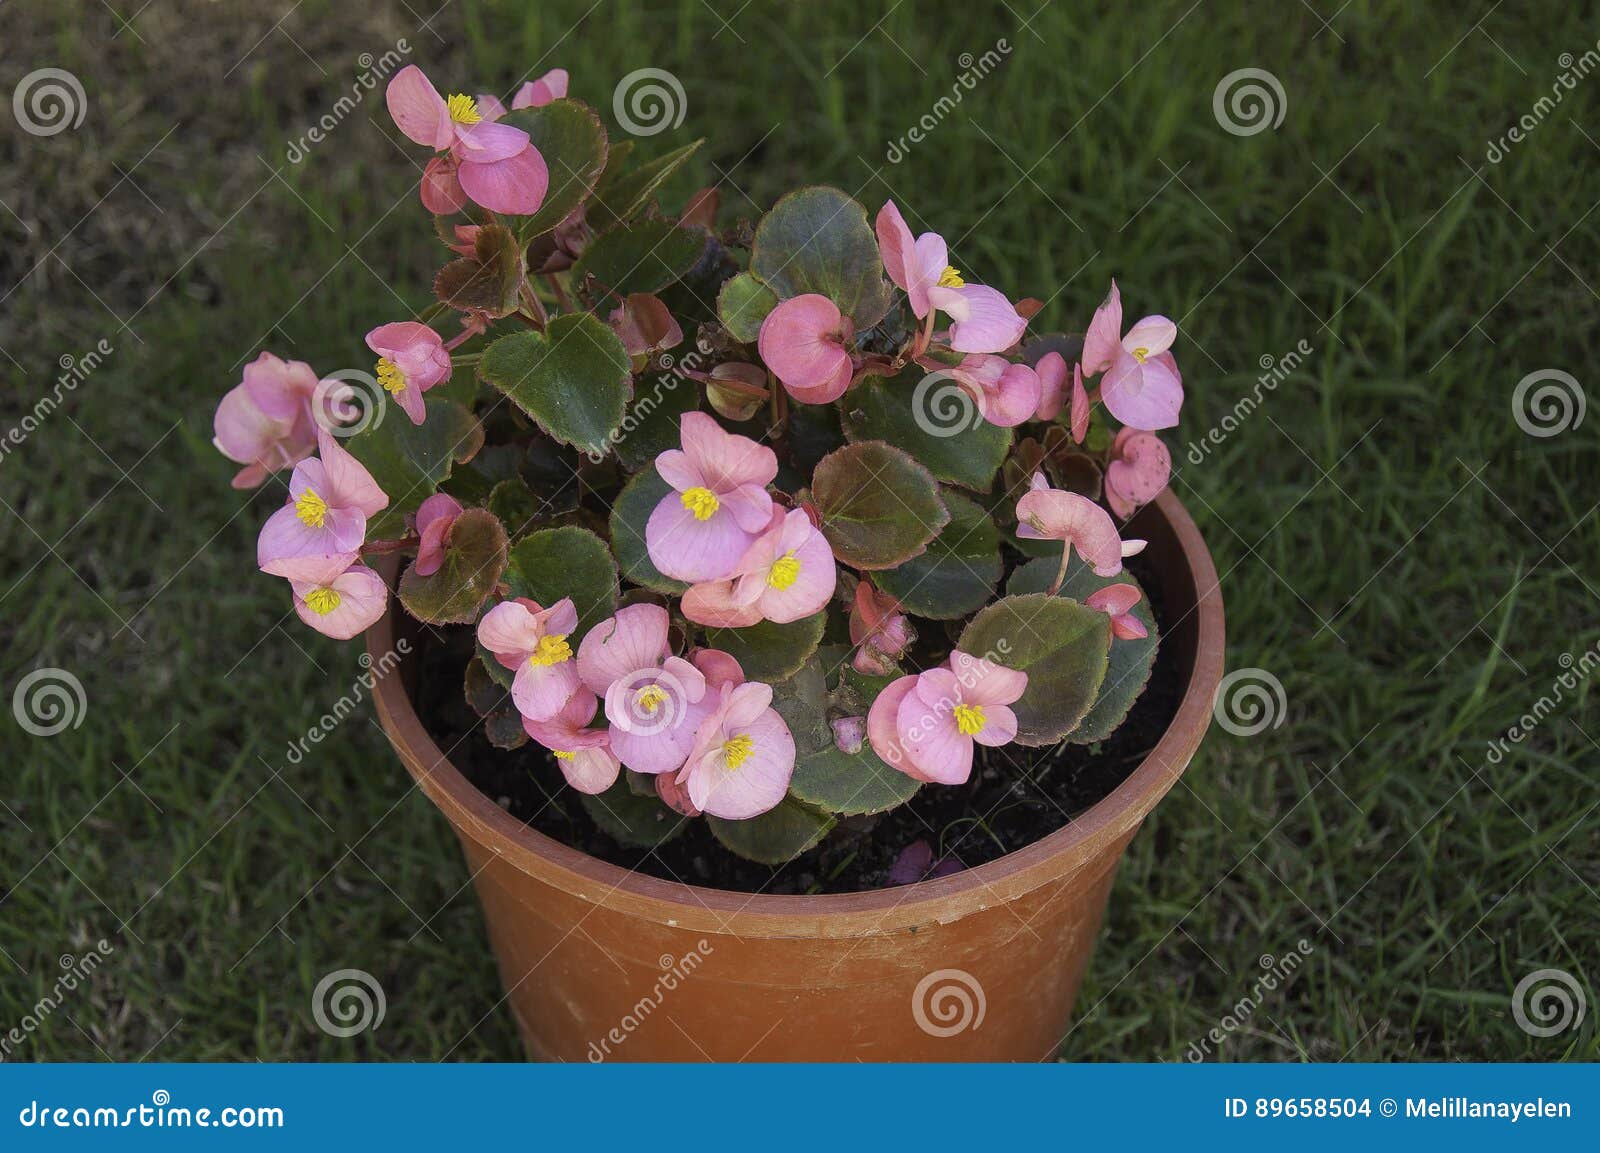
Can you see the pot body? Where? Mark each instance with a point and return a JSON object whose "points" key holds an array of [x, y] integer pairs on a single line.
{"points": [[603, 964]]}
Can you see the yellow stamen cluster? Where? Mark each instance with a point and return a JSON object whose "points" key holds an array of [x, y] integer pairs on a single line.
{"points": [[390, 376], [970, 718], [1140, 353], [651, 698], [784, 571], [702, 502], [562, 754], [322, 601], [311, 509], [737, 750], [552, 650], [950, 278], [463, 109]]}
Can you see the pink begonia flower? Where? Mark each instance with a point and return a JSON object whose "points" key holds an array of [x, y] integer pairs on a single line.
{"points": [[1046, 513], [265, 422], [1139, 467], [340, 602], [802, 342], [411, 360], [532, 642], [1141, 387], [550, 87], [494, 165], [654, 701], [879, 629], [436, 516], [674, 795], [787, 574], [743, 755], [1052, 373], [325, 520], [720, 503], [926, 725], [583, 754], [1117, 602], [983, 319], [1080, 406], [1007, 394]]}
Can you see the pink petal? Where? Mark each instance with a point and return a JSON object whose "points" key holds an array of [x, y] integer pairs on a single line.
{"points": [[289, 548], [488, 142], [1139, 469], [515, 185], [435, 518], [1066, 516], [719, 668], [726, 460], [688, 549], [898, 249], [1114, 599], [490, 107], [1015, 397], [418, 109], [1104, 338], [813, 585], [679, 470], [537, 93], [984, 682], [590, 771], [280, 388], [750, 506], [1128, 627], [999, 726], [362, 599], [1144, 396], [350, 485], [883, 732], [716, 605], [984, 320], [540, 691], [1154, 334], [1052, 373], [800, 343], [674, 795], [560, 618], [634, 639], [1080, 406], [759, 783], [510, 632], [941, 752], [441, 189], [242, 432]]}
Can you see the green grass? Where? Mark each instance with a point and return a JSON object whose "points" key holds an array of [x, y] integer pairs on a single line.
{"points": [[1404, 559]]}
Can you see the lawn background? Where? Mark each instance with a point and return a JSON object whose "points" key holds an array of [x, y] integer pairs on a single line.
{"points": [[1405, 560]]}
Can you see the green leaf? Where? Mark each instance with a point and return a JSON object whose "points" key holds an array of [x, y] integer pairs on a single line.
{"points": [[515, 504], [569, 561], [634, 820], [850, 784], [643, 256], [623, 195], [957, 573], [574, 379], [651, 424], [818, 240], [776, 836], [1059, 643], [488, 279], [768, 651], [572, 141], [939, 428], [1129, 664], [629, 516], [410, 460], [879, 507], [473, 562], [742, 304]]}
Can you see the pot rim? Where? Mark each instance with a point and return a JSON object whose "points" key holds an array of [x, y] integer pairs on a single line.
{"points": [[1096, 835]]}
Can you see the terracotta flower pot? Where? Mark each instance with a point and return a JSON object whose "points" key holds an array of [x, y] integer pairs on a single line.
{"points": [[600, 963]]}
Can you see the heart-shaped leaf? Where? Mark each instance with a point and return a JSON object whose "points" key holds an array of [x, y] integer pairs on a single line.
{"points": [[641, 256], [957, 573], [622, 195], [516, 505], [572, 141], [634, 820], [818, 240], [742, 304], [488, 279], [768, 651], [629, 516], [574, 379], [410, 460], [929, 416], [778, 835], [879, 507], [569, 561], [1130, 661], [1059, 643], [473, 561]]}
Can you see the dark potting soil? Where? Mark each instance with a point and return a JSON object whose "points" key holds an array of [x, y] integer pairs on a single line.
{"points": [[1015, 796]]}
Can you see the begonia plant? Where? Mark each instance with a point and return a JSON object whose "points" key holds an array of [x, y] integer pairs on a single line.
{"points": [[772, 522]]}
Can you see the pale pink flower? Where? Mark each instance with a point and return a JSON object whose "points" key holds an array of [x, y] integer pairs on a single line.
{"points": [[786, 574], [1081, 408], [1007, 394], [436, 516], [339, 601], [1139, 467], [719, 504], [802, 342], [1141, 387], [743, 755], [1117, 602], [983, 320], [324, 522], [654, 701], [265, 422], [411, 360], [1052, 373], [532, 642], [1046, 513], [582, 754], [550, 87], [926, 725], [879, 629]]}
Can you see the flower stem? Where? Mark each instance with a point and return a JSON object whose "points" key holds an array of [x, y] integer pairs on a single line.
{"points": [[1061, 573]]}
